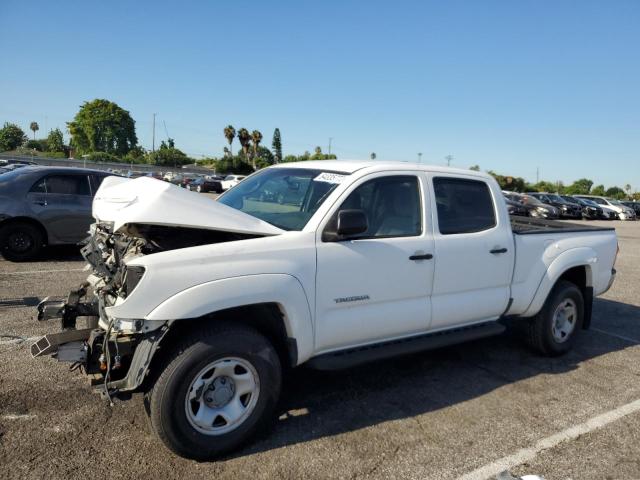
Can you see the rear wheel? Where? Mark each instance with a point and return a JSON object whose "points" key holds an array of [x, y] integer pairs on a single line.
{"points": [[217, 390], [20, 241], [554, 329]]}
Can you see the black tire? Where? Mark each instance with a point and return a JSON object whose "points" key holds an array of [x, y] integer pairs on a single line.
{"points": [[20, 241], [539, 330], [197, 351]]}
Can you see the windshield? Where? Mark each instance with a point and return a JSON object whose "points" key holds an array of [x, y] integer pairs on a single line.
{"points": [[614, 202], [284, 197]]}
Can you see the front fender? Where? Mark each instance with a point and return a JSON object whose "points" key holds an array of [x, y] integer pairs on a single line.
{"points": [[575, 257], [283, 289]]}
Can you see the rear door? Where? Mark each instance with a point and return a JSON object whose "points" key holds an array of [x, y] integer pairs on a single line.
{"points": [[474, 252], [62, 203]]}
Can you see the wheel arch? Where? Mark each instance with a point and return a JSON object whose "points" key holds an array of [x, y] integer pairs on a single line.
{"points": [[575, 266], [274, 304]]}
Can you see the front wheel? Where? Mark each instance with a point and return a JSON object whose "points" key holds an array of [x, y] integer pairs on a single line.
{"points": [[554, 329], [217, 390]]}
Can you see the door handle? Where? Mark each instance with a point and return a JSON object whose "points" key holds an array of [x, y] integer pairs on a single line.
{"points": [[41, 202], [498, 250], [421, 256]]}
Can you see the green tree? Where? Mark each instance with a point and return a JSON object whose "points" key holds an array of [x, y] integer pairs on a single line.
{"points": [[264, 157], [168, 156], [475, 168], [599, 190], [579, 187], [373, 155], [230, 134], [34, 128], [615, 192], [135, 155], [506, 182], [55, 141], [256, 136], [11, 137], [627, 188], [103, 126], [544, 186], [276, 146], [244, 137]]}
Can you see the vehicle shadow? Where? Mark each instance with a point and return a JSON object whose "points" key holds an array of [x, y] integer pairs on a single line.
{"points": [[59, 253], [321, 404]]}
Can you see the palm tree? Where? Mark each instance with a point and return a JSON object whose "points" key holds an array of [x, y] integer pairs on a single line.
{"points": [[35, 127], [627, 188], [245, 140], [373, 155], [256, 136], [230, 134]]}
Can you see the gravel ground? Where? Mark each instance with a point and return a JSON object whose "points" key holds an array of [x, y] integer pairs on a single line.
{"points": [[440, 414]]}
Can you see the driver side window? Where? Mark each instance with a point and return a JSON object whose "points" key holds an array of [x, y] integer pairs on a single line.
{"points": [[391, 205]]}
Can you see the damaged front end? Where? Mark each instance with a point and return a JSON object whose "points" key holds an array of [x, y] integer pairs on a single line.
{"points": [[134, 218], [115, 353]]}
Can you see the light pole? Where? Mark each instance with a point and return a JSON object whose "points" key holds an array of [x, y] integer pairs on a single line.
{"points": [[153, 140], [448, 158], [419, 157]]}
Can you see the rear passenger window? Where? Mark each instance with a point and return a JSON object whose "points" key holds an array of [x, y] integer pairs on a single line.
{"points": [[464, 206], [63, 184]]}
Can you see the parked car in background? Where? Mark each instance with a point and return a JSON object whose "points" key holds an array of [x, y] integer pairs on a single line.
{"points": [[45, 206], [565, 209], [168, 176], [175, 179], [633, 205], [186, 180], [590, 210], [534, 206], [205, 184], [624, 212], [231, 181], [515, 208]]}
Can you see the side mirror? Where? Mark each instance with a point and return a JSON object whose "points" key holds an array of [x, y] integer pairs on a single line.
{"points": [[351, 222]]}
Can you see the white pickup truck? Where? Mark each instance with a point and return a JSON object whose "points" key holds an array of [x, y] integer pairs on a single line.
{"points": [[202, 305]]}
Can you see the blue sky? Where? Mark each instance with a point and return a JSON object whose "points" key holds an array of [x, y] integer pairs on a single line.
{"points": [[509, 85]]}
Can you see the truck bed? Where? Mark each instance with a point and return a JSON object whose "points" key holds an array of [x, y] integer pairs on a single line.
{"points": [[530, 226]]}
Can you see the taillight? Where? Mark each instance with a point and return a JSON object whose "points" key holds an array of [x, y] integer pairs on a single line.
{"points": [[617, 251]]}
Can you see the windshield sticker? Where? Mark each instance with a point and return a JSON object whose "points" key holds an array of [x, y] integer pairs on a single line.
{"points": [[329, 178]]}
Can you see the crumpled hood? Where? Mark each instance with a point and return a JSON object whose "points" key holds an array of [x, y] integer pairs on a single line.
{"points": [[150, 201]]}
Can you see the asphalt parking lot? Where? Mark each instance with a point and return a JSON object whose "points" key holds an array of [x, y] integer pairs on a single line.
{"points": [[462, 411]]}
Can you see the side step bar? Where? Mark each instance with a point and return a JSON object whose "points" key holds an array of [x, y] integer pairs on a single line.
{"points": [[49, 343], [379, 351]]}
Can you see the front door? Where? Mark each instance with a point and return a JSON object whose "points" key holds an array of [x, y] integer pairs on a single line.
{"points": [[376, 286]]}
